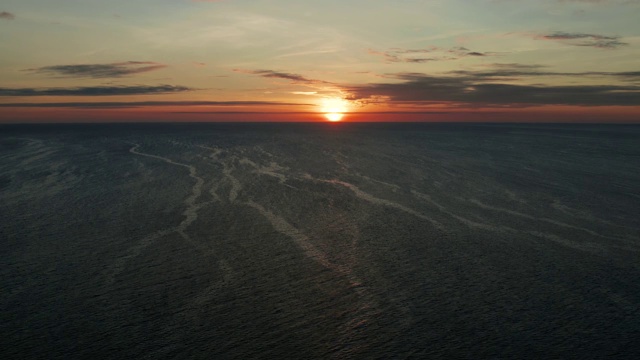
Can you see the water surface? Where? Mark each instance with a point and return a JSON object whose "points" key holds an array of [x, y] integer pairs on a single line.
{"points": [[336, 241]]}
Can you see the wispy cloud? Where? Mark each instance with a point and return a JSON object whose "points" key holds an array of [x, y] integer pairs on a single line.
{"points": [[391, 56], [469, 90], [7, 15], [137, 104], [308, 93], [624, 2], [94, 91], [591, 2], [584, 39], [512, 71], [294, 78], [113, 70], [218, 28], [433, 53]]}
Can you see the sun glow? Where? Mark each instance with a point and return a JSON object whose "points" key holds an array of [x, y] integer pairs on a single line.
{"points": [[334, 108]]}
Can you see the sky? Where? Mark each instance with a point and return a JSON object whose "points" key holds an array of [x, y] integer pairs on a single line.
{"points": [[330, 60]]}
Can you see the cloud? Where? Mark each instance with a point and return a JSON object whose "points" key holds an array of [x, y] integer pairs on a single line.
{"points": [[514, 71], [393, 56], [136, 104], [7, 15], [112, 70], [516, 66], [294, 78], [309, 93], [94, 91], [469, 90], [583, 39], [433, 53], [624, 2]]}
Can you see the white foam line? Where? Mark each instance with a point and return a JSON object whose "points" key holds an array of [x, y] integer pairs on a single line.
{"points": [[246, 161], [576, 214], [550, 221], [134, 150], [29, 139], [39, 144], [227, 171], [513, 197], [40, 154], [216, 151], [303, 242], [507, 211], [133, 252], [198, 246], [393, 186], [214, 192], [281, 178], [215, 156], [586, 246], [340, 159], [205, 296], [369, 309], [190, 213], [378, 201], [235, 184], [259, 148], [469, 223], [271, 170]]}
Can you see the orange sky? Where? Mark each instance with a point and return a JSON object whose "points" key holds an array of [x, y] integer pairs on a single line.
{"points": [[282, 60]]}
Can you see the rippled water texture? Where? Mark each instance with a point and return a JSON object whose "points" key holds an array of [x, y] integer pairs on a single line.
{"points": [[331, 241]]}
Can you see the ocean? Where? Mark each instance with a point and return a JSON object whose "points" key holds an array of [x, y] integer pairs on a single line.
{"points": [[320, 241]]}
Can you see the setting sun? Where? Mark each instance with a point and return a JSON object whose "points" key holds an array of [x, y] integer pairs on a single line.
{"points": [[334, 108]]}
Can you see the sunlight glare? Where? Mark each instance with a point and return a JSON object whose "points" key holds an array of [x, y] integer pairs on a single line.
{"points": [[334, 116], [334, 108]]}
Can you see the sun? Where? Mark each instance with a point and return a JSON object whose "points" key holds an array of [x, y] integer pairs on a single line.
{"points": [[334, 116], [334, 108]]}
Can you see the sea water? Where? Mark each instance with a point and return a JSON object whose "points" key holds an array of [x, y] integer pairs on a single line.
{"points": [[327, 241]]}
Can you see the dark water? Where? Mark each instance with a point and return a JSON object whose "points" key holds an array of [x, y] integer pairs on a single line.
{"points": [[339, 241]]}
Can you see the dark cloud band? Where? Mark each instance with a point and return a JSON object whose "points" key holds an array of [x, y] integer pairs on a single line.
{"points": [[113, 70], [94, 91], [138, 104], [470, 91], [295, 78], [7, 15], [433, 53], [583, 39]]}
